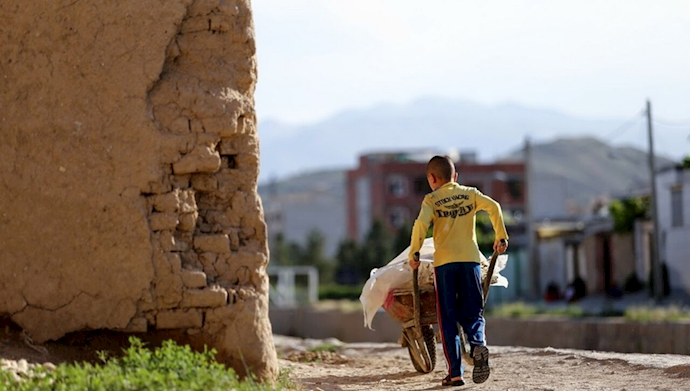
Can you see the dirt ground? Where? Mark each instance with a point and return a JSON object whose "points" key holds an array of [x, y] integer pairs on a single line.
{"points": [[373, 367]]}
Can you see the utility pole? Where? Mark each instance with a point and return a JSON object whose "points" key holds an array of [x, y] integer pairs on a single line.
{"points": [[656, 245], [532, 259]]}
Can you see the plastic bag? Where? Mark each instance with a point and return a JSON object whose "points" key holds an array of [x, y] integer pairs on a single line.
{"points": [[397, 274]]}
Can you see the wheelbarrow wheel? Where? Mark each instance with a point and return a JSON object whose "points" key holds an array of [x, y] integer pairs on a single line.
{"points": [[422, 355]]}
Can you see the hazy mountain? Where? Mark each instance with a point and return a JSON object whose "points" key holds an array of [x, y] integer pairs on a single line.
{"points": [[569, 174], [578, 169], [492, 131]]}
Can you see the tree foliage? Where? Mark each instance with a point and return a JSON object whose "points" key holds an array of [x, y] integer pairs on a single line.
{"points": [[625, 212], [402, 238], [313, 253], [485, 233]]}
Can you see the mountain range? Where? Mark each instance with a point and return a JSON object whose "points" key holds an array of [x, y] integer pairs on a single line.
{"points": [[494, 132]]}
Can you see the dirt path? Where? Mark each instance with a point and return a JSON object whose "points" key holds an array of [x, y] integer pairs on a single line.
{"points": [[371, 367]]}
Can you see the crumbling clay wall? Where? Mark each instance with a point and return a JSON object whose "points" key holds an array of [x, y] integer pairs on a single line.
{"points": [[128, 167]]}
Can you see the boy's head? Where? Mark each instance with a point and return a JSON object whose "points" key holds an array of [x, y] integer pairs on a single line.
{"points": [[439, 171]]}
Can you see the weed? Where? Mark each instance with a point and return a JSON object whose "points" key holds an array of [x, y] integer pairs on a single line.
{"points": [[326, 347], [170, 367]]}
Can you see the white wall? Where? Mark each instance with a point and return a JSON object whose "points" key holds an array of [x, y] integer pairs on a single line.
{"points": [[552, 263], [675, 241]]}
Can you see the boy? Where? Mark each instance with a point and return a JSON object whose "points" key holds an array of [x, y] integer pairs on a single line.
{"points": [[451, 208]]}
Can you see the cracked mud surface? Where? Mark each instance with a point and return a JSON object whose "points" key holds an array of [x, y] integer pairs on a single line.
{"points": [[373, 367], [130, 160]]}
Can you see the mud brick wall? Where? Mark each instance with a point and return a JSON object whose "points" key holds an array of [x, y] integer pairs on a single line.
{"points": [[128, 169]]}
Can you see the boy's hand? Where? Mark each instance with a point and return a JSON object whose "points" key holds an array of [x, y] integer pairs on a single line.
{"points": [[501, 245], [414, 264]]}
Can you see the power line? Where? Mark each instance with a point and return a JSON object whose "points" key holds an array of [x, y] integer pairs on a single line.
{"points": [[673, 124], [681, 123], [625, 126]]}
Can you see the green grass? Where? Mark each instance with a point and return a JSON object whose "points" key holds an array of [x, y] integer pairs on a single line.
{"points": [[638, 313], [656, 314], [326, 347], [513, 310], [340, 292], [170, 367]]}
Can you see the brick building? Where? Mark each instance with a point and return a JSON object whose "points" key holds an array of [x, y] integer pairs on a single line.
{"points": [[390, 187]]}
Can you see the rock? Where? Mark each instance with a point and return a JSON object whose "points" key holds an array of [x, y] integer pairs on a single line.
{"points": [[227, 147], [166, 202], [167, 240], [161, 221], [208, 297], [201, 159], [212, 243], [179, 319], [187, 201], [187, 222], [22, 366], [136, 325], [204, 182], [193, 278], [49, 366]]}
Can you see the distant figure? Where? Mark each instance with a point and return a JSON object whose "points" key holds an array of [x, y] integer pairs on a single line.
{"points": [[451, 208], [553, 292]]}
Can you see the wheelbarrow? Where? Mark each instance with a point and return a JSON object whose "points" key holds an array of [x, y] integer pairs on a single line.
{"points": [[415, 310]]}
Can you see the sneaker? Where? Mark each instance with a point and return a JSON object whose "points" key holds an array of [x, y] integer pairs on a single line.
{"points": [[481, 370]]}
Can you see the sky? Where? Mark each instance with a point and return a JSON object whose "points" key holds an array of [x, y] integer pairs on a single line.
{"points": [[598, 59]]}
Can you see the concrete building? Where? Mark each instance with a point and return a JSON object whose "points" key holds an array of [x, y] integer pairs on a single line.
{"points": [[673, 206], [391, 186], [304, 203]]}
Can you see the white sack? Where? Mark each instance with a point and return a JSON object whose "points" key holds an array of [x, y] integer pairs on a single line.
{"points": [[397, 274]]}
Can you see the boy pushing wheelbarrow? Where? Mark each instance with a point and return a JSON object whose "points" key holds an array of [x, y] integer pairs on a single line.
{"points": [[451, 208]]}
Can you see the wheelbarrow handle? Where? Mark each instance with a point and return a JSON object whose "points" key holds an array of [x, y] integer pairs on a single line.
{"points": [[416, 298], [490, 272]]}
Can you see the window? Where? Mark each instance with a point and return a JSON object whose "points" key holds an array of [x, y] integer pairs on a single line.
{"points": [[398, 216], [397, 186], [421, 186], [515, 189], [677, 207]]}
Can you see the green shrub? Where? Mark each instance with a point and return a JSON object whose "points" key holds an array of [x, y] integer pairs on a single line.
{"points": [[514, 310], [170, 368], [656, 314], [326, 347], [340, 292]]}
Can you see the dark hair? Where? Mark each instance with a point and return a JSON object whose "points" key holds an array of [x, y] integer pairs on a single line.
{"points": [[442, 167]]}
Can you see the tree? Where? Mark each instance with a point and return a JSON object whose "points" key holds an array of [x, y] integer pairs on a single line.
{"points": [[485, 233], [402, 238], [376, 249], [686, 163], [625, 212], [282, 252], [348, 259], [314, 255]]}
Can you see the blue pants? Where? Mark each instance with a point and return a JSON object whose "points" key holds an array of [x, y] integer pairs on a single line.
{"points": [[459, 299]]}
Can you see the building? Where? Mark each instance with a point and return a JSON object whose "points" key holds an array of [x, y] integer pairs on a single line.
{"points": [[304, 203], [391, 186], [673, 207], [586, 249]]}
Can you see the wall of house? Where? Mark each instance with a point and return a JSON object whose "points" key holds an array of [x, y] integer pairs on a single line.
{"points": [[129, 161], [623, 258], [675, 240]]}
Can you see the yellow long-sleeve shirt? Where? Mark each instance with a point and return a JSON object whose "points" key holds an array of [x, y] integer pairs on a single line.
{"points": [[452, 209]]}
